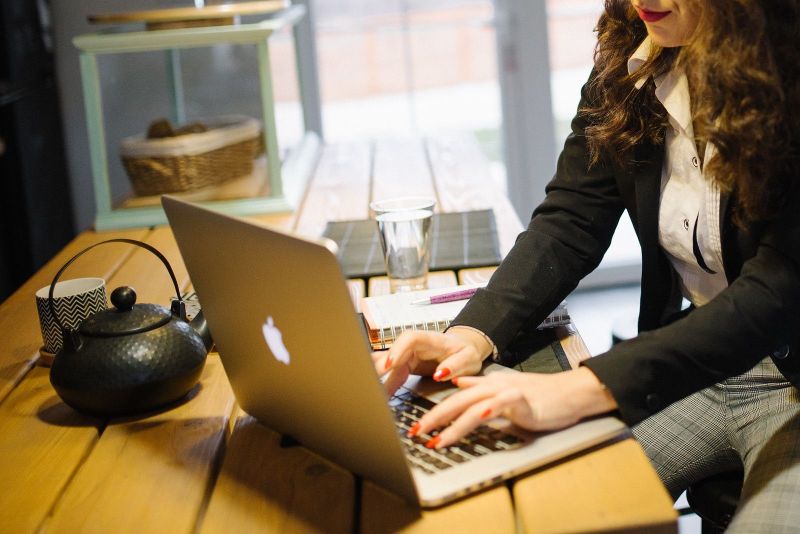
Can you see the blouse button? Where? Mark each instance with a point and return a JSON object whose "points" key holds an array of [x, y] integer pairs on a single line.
{"points": [[686, 224], [781, 352], [695, 162], [653, 402]]}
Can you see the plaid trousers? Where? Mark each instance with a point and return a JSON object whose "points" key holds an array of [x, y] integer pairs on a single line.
{"points": [[753, 420]]}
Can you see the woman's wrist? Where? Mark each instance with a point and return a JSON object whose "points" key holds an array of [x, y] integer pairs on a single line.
{"points": [[474, 337], [591, 396]]}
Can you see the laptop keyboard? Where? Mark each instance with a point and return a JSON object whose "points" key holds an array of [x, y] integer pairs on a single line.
{"points": [[409, 407]]}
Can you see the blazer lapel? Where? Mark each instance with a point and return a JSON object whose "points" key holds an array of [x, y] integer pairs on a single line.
{"points": [[738, 244], [650, 160], [726, 231], [658, 282]]}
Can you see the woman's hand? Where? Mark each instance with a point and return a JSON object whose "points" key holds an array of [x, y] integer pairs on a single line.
{"points": [[458, 352], [530, 400]]}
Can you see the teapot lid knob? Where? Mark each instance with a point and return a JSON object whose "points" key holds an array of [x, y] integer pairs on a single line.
{"points": [[123, 298]]}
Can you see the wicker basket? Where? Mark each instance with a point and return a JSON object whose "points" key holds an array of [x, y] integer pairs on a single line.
{"points": [[192, 161]]}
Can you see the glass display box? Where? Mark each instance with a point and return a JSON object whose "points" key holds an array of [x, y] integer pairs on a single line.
{"points": [[287, 172]]}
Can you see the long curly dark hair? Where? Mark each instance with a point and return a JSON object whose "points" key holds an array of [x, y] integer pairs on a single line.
{"points": [[743, 67]]}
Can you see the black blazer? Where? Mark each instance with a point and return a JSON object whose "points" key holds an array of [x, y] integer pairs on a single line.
{"points": [[676, 353]]}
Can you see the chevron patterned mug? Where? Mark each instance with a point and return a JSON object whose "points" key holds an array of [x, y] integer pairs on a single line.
{"points": [[75, 300]]}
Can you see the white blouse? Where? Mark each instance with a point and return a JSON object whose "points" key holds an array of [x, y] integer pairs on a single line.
{"points": [[688, 219]]}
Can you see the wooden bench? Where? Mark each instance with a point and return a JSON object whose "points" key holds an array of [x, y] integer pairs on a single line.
{"points": [[206, 466]]}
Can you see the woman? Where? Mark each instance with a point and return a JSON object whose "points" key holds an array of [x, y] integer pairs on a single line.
{"points": [[690, 121]]}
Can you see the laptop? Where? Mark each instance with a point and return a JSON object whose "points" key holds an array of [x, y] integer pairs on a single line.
{"points": [[298, 361]]}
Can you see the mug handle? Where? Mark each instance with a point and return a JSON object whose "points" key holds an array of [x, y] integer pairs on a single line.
{"points": [[178, 306]]}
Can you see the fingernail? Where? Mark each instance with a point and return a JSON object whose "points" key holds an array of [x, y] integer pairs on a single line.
{"points": [[433, 442], [454, 380], [441, 374], [388, 363], [414, 430], [486, 413]]}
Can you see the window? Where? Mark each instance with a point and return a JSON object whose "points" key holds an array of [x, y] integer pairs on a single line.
{"points": [[408, 67]]}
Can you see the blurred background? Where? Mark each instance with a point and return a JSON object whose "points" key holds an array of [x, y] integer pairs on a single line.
{"points": [[507, 72]]}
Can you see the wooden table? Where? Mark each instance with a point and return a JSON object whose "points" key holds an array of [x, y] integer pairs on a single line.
{"points": [[205, 466]]}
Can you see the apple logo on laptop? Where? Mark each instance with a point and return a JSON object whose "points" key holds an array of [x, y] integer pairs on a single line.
{"points": [[274, 340]]}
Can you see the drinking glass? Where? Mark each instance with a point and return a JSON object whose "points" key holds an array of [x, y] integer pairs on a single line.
{"points": [[404, 226]]}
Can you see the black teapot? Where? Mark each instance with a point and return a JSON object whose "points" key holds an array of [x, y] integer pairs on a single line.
{"points": [[131, 358]]}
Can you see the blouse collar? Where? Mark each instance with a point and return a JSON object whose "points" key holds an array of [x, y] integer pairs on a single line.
{"points": [[672, 88]]}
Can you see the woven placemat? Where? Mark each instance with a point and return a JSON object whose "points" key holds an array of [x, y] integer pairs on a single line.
{"points": [[458, 240]]}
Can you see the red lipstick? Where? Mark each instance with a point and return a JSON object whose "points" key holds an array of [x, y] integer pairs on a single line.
{"points": [[651, 16]]}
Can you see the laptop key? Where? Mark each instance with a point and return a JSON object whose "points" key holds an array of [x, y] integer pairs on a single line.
{"points": [[456, 457], [424, 468], [409, 407], [436, 462], [471, 450]]}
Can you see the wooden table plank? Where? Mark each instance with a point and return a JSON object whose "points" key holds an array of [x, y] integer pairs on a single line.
{"points": [[401, 169], [488, 512], [339, 189], [610, 489], [477, 275], [42, 443], [462, 173], [19, 321], [357, 289], [151, 474], [464, 182], [264, 487], [379, 285]]}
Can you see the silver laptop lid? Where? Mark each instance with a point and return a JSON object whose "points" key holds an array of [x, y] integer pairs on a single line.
{"points": [[289, 339]]}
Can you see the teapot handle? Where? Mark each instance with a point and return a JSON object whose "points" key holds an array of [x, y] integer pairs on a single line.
{"points": [[178, 306]]}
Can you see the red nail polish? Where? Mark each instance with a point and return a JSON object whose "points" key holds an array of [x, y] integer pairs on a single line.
{"points": [[414, 430], [388, 363], [486, 413], [433, 442], [454, 380], [441, 374]]}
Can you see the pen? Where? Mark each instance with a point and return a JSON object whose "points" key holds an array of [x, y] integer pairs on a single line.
{"points": [[462, 294]]}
